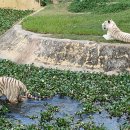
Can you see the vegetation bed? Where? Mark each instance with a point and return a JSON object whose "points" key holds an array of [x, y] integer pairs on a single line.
{"points": [[9, 16], [99, 6], [112, 93]]}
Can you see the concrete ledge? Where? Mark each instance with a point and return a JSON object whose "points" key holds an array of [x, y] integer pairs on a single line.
{"points": [[25, 47]]}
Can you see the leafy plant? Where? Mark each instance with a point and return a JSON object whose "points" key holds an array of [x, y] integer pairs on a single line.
{"points": [[53, 108], [90, 126], [111, 92], [3, 109], [97, 6], [46, 116], [62, 122], [8, 17]]}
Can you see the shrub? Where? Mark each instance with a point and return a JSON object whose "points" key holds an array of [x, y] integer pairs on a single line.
{"points": [[9, 16], [113, 8], [97, 6]]}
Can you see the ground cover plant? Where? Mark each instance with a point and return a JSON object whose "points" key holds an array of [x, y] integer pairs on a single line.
{"points": [[8, 17], [99, 6], [95, 91], [58, 21]]}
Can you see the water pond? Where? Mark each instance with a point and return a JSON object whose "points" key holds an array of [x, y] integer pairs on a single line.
{"points": [[67, 106]]}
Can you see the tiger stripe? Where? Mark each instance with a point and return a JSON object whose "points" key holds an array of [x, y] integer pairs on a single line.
{"points": [[11, 88]]}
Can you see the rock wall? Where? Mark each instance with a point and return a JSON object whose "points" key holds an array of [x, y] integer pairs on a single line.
{"points": [[26, 47]]}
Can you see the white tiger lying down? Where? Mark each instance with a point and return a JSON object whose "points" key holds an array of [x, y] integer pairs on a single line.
{"points": [[12, 89], [113, 32]]}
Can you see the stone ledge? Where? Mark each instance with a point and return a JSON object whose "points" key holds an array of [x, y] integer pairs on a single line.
{"points": [[26, 47]]}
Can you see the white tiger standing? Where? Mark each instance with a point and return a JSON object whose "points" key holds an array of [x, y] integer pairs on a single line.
{"points": [[12, 89], [113, 32]]}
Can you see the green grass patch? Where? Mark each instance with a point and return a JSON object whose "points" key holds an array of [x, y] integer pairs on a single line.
{"points": [[8, 17], [112, 92], [56, 20]]}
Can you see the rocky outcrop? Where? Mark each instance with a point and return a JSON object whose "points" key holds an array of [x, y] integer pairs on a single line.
{"points": [[26, 47]]}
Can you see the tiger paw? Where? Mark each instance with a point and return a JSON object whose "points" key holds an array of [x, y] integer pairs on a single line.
{"points": [[107, 37]]}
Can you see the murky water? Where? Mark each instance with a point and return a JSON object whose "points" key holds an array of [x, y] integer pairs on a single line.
{"points": [[67, 106]]}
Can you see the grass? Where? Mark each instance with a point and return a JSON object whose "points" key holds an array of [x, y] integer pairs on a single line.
{"points": [[56, 20], [112, 92]]}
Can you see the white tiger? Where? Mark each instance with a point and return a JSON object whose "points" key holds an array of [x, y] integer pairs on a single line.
{"points": [[13, 89], [113, 32]]}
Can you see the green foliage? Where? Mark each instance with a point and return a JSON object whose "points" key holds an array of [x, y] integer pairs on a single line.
{"points": [[47, 120], [86, 87], [7, 125], [112, 92], [8, 17], [98, 6], [62, 122], [90, 126], [46, 117], [113, 8], [53, 108], [3, 109], [126, 126]]}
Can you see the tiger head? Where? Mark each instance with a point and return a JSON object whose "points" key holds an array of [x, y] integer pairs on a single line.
{"points": [[108, 24]]}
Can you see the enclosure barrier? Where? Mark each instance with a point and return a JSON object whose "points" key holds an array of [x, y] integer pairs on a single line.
{"points": [[20, 4], [26, 47]]}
